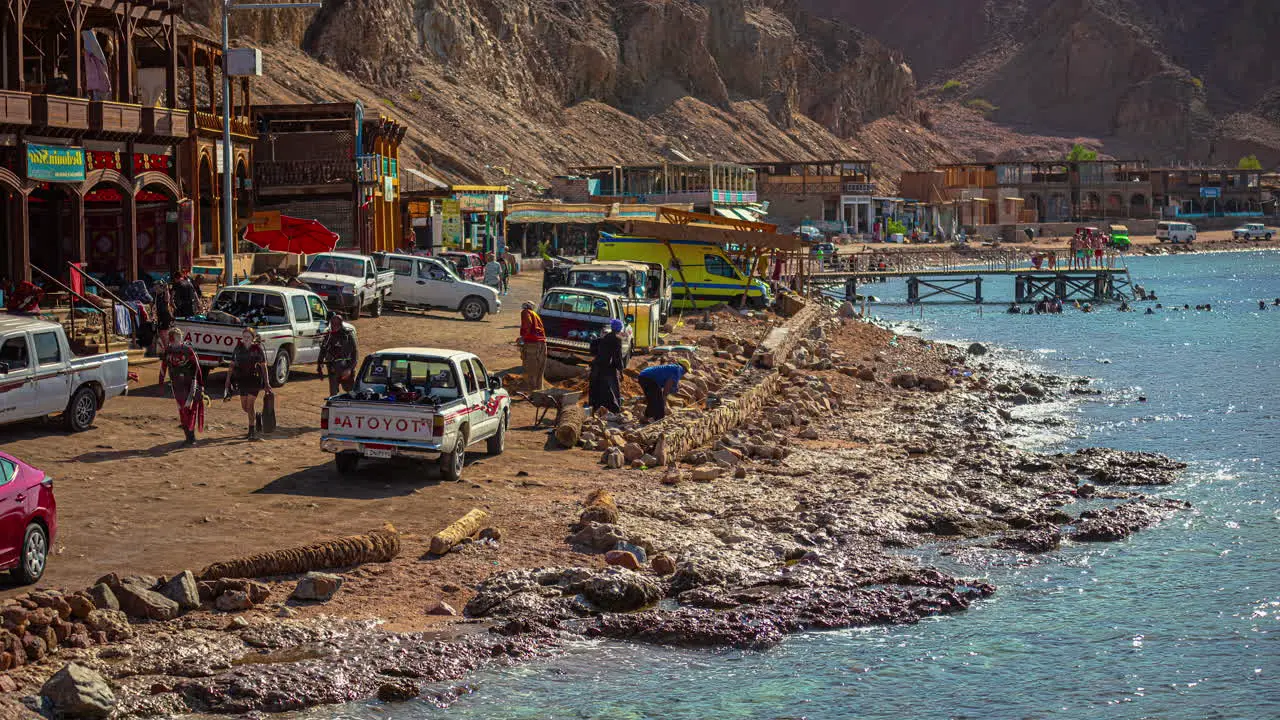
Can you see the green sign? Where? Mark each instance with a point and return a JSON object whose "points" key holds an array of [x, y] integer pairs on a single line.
{"points": [[55, 163]]}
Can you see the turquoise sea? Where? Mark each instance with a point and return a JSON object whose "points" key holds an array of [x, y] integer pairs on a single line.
{"points": [[1180, 622]]}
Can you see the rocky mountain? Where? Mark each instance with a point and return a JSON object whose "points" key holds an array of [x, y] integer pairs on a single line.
{"points": [[1160, 79], [495, 89]]}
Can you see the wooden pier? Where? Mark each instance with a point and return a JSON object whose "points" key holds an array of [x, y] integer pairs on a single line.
{"points": [[966, 284]]}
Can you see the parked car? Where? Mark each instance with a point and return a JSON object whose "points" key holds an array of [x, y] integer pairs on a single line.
{"points": [[430, 283], [292, 323], [468, 265], [631, 280], [422, 403], [1175, 232], [825, 248], [1120, 237], [29, 520], [573, 317], [1251, 231], [348, 283], [39, 375]]}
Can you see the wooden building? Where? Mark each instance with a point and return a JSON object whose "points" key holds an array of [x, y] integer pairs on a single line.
{"points": [[330, 163], [89, 131], [200, 159], [1209, 192], [832, 195], [719, 188]]}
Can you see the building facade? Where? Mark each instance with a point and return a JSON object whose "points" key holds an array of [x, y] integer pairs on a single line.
{"points": [[726, 189], [1209, 192], [330, 163], [89, 134], [836, 196]]}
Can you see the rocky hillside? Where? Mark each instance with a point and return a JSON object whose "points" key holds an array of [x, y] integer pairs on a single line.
{"points": [[516, 90], [1160, 79]]}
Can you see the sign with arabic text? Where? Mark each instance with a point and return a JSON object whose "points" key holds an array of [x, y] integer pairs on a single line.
{"points": [[451, 223], [55, 163]]}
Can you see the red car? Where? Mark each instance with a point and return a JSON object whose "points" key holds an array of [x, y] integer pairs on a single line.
{"points": [[28, 519], [470, 266]]}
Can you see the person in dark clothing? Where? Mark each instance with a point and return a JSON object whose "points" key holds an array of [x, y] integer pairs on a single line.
{"points": [[659, 381], [606, 369], [249, 377], [338, 353], [182, 367], [184, 296]]}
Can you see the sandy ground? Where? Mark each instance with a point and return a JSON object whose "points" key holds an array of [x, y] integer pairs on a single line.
{"points": [[132, 499]]}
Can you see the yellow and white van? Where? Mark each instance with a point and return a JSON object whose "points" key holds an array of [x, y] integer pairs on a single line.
{"points": [[701, 273]]}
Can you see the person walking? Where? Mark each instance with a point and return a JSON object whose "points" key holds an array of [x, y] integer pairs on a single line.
{"points": [[606, 371], [338, 354], [248, 377], [659, 381], [185, 299], [181, 365], [533, 347], [493, 273]]}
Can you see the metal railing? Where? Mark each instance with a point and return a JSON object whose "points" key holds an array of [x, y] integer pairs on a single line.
{"points": [[212, 122], [115, 299], [92, 308]]}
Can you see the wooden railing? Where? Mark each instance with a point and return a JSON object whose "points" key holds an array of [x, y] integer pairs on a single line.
{"points": [[212, 122], [304, 172]]}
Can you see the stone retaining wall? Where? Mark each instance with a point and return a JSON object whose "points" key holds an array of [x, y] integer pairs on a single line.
{"points": [[678, 435]]}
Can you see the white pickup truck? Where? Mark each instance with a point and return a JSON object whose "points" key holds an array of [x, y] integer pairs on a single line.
{"points": [[40, 376], [291, 321], [431, 284], [1251, 231], [422, 403], [349, 283]]}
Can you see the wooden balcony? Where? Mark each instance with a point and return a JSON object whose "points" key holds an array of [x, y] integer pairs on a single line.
{"points": [[162, 122], [15, 108], [210, 124], [59, 115], [114, 120]]}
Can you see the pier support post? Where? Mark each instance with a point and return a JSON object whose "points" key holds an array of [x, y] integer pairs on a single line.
{"points": [[913, 290], [1019, 288], [977, 289], [1060, 287]]}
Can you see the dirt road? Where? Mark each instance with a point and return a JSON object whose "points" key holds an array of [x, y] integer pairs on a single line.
{"points": [[132, 499]]}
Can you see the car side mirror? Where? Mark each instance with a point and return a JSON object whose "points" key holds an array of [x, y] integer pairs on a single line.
{"points": [[495, 383], [630, 319], [4, 368]]}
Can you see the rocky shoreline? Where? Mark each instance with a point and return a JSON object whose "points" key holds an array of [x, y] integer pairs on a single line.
{"points": [[911, 447]]}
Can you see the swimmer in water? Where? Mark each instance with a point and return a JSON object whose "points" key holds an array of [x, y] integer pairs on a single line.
{"points": [[1150, 312]]}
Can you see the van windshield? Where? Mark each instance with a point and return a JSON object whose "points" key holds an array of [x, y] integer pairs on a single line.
{"points": [[336, 266]]}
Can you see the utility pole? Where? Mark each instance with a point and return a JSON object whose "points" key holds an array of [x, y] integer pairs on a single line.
{"points": [[228, 157]]}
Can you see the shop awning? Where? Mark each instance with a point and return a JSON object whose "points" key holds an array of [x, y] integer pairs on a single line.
{"points": [[557, 213], [431, 182]]}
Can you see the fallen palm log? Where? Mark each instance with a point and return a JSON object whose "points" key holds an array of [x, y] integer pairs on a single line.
{"points": [[569, 425], [600, 508], [380, 546], [462, 528]]}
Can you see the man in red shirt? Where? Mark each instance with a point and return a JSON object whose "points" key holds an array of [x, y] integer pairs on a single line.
{"points": [[533, 347]]}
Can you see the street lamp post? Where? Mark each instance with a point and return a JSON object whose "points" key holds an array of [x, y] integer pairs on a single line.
{"points": [[228, 157]]}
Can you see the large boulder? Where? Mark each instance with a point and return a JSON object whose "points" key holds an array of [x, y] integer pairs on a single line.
{"points": [[114, 624], [619, 590], [316, 587], [145, 604], [76, 691], [182, 589], [598, 536]]}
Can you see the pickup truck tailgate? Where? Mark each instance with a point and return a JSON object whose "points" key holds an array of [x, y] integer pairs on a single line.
{"points": [[381, 421]]}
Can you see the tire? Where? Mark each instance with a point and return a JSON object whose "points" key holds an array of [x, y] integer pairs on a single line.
{"points": [[347, 461], [451, 464], [280, 369], [497, 443], [376, 310], [35, 555], [81, 410], [473, 308]]}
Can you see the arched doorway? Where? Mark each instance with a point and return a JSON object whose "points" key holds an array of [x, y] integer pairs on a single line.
{"points": [[1092, 205], [1115, 205], [243, 192], [158, 229], [1036, 202], [1138, 206], [110, 250], [1058, 208], [13, 236], [208, 208], [54, 214]]}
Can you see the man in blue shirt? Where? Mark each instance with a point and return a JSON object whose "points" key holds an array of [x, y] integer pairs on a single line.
{"points": [[658, 382]]}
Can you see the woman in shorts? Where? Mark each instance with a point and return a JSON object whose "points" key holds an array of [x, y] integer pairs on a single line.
{"points": [[249, 377]]}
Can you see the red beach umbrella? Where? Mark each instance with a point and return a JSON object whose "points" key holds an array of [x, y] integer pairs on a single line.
{"points": [[296, 235]]}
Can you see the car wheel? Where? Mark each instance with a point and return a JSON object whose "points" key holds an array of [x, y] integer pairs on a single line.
{"points": [[473, 309], [35, 555], [81, 410], [376, 310], [347, 461], [498, 442], [451, 464], [280, 369]]}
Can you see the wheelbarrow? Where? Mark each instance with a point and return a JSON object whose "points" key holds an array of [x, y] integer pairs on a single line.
{"points": [[554, 399]]}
